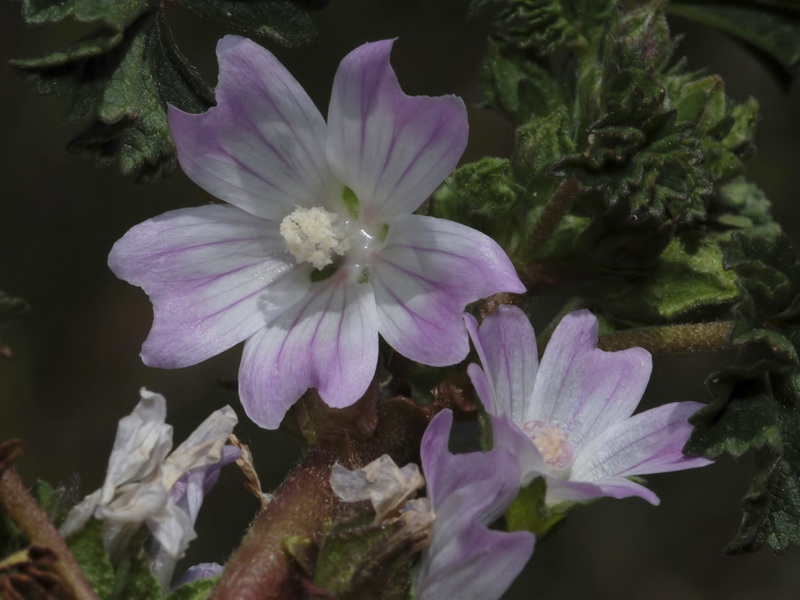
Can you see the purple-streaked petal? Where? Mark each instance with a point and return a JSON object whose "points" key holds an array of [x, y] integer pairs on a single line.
{"points": [[215, 275], [328, 341], [424, 276], [506, 346], [562, 490], [262, 147], [198, 571], [392, 150], [467, 561], [582, 388], [467, 492], [191, 489], [650, 442], [508, 435]]}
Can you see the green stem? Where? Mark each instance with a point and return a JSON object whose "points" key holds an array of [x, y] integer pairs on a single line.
{"points": [[37, 528], [304, 505], [671, 339]]}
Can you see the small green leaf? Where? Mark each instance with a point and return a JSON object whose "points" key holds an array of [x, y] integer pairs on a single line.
{"points": [[530, 513], [357, 557], [117, 14]]}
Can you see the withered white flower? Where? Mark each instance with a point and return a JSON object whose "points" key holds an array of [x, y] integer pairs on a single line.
{"points": [[140, 486]]}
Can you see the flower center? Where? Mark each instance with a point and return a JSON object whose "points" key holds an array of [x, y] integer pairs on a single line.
{"points": [[552, 442], [314, 235]]}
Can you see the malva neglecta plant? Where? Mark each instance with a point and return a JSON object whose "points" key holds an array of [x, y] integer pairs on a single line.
{"points": [[384, 291]]}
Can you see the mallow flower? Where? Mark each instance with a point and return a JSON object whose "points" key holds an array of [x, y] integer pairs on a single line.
{"points": [[145, 484], [465, 559], [316, 250], [570, 416]]}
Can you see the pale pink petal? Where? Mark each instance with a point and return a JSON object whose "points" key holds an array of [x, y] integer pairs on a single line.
{"points": [[262, 147], [561, 490], [328, 341], [583, 388], [392, 150], [215, 275], [424, 276], [467, 561], [650, 442], [506, 346], [468, 492]]}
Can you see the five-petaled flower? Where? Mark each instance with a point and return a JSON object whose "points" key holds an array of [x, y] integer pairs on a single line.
{"points": [[316, 251], [466, 560], [571, 415]]}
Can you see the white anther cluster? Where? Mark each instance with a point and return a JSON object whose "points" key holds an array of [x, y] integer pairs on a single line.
{"points": [[313, 235]]}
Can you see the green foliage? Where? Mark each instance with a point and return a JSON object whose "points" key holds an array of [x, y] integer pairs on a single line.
{"points": [[194, 590], [757, 405], [771, 27], [530, 513], [357, 557], [122, 76], [129, 578]]}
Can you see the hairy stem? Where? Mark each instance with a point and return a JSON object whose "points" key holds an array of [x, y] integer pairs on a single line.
{"points": [[37, 528], [553, 212], [671, 339], [304, 505]]}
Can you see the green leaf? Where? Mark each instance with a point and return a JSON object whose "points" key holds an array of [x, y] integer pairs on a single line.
{"points": [[772, 28], [688, 283], [280, 20], [194, 590], [122, 76], [87, 547], [357, 557], [530, 513], [117, 14], [482, 195], [135, 580]]}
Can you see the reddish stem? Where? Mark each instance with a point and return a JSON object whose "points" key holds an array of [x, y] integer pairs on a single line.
{"points": [[304, 505]]}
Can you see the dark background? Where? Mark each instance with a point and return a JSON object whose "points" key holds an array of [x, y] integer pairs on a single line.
{"points": [[76, 369]]}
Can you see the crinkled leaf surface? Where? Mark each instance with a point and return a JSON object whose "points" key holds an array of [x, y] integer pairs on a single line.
{"points": [[121, 77], [757, 406]]}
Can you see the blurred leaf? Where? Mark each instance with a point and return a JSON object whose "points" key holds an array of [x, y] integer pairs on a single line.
{"points": [[771, 27], [530, 513], [280, 20], [123, 75], [688, 282], [87, 547]]}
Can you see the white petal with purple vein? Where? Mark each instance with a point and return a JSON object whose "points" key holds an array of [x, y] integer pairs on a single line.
{"points": [[650, 442], [582, 388], [391, 149], [215, 275], [262, 147], [424, 276], [328, 341]]}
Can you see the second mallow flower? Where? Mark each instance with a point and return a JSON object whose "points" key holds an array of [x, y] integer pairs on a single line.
{"points": [[316, 251], [570, 416]]}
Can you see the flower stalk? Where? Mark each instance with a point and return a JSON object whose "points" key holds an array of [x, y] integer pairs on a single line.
{"points": [[671, 339], [23, 509], [304, 505]]}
